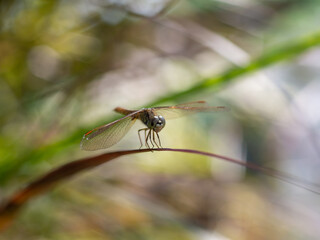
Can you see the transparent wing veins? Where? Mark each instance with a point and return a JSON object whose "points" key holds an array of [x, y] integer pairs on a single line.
{"points": [[170, 112], [107, 135]]}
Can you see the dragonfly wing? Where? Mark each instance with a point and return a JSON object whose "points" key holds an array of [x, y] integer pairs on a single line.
{"points": [[170, 112], [193, 104], [107, 135]]}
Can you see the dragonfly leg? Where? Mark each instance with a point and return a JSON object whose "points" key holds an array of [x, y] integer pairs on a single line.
{"points": [[159, 140], [154, 140], [146, 138], [149, 137], [141, 144]]}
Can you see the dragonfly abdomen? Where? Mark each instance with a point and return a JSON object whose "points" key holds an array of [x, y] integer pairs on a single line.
{"points": [[123, 111]]}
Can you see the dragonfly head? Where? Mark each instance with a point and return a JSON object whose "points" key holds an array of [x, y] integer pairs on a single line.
{"points": [[157, 123]]}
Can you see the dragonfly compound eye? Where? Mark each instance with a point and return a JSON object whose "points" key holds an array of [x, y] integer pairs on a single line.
{"points": [[160, 122]]}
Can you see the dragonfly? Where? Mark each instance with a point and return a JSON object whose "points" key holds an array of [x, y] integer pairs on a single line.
{"points": [[153, 118]]}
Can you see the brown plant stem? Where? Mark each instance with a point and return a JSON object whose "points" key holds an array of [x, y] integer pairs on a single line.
{"points": [[10, 208]]}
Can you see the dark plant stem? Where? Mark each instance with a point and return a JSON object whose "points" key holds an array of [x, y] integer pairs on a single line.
{"points": [[9, 209]]}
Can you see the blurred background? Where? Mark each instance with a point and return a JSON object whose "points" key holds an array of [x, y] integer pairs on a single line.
{"points": [[64, 66]]}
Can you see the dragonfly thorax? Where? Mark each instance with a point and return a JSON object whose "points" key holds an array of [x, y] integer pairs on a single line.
{"points": [[156, 123]]}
